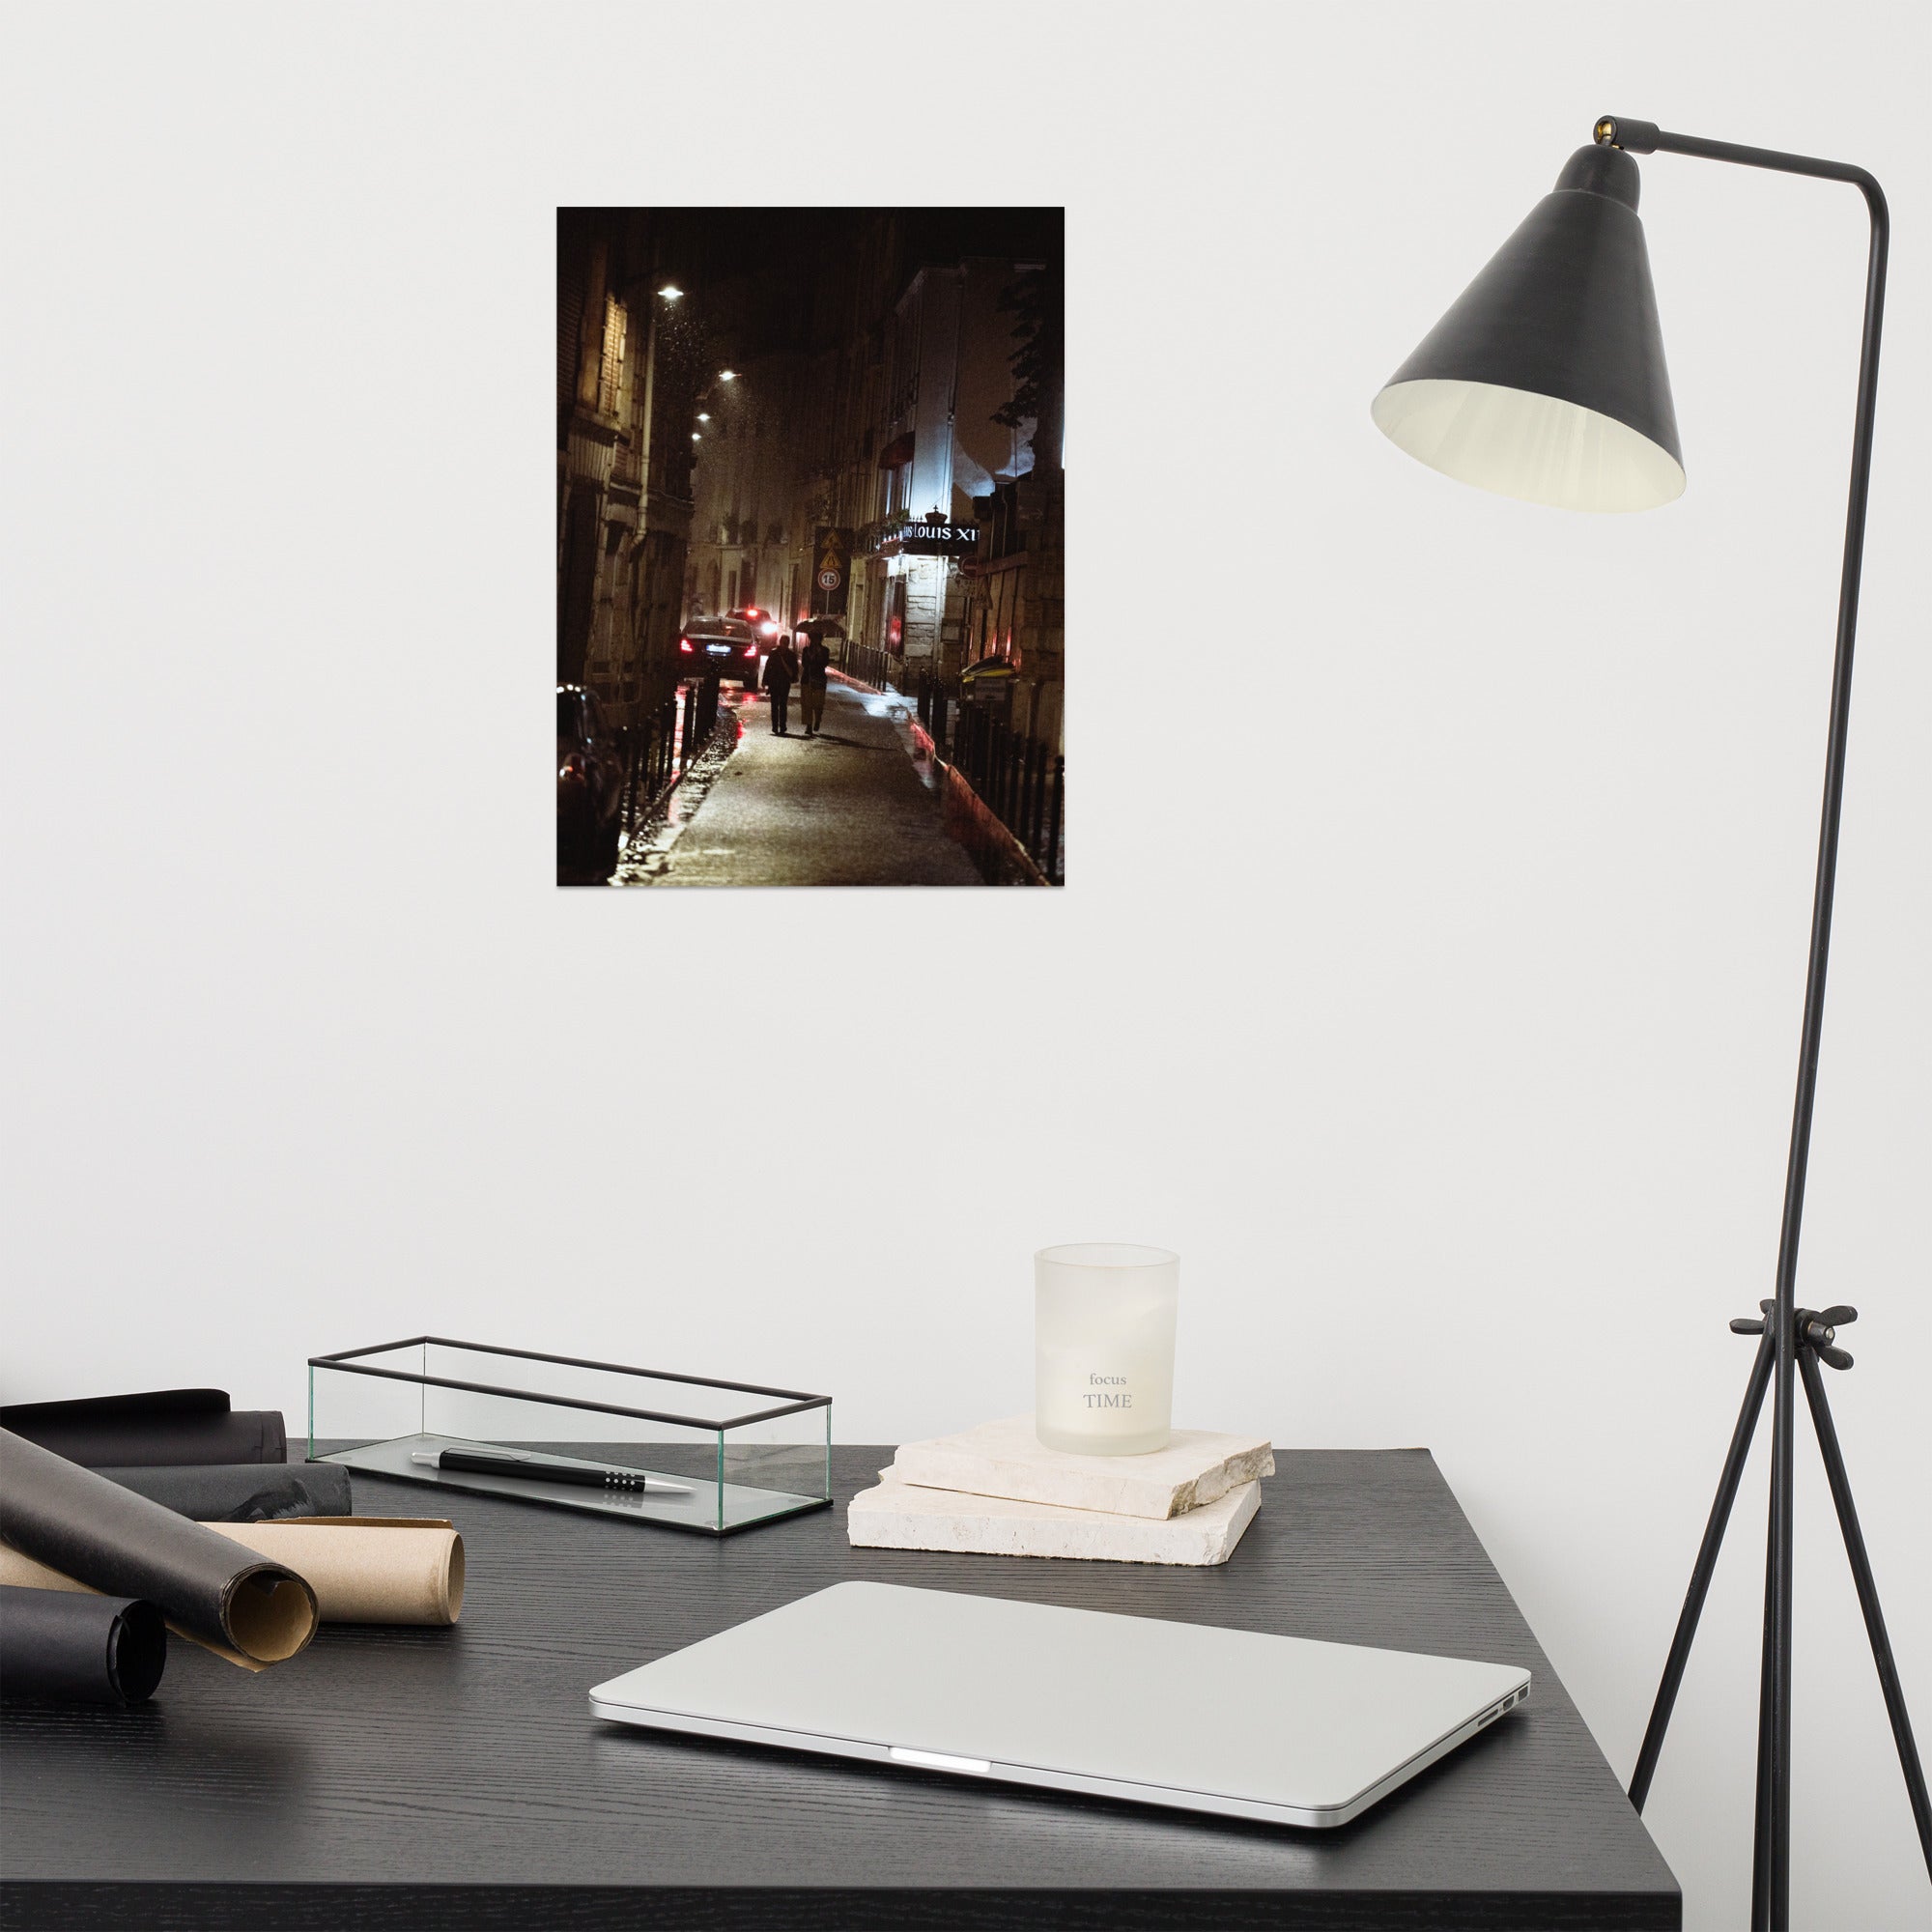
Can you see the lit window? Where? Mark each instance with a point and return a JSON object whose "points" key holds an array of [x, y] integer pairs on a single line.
{"points": [[610, 380]]}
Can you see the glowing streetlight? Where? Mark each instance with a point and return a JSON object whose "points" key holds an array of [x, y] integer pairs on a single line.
{"points": [[703, 417], [672, 292], [695, 438], [727, 374]]}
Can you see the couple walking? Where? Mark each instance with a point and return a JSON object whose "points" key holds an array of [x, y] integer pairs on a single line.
{"points": [[806, 668]]}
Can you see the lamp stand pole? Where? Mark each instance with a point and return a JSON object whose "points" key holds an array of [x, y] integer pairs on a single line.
{"points": [[1795, 1340]]}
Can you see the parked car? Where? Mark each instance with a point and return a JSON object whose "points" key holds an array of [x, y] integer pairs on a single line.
{"points": [[589, 784], [762, 621], [722, 647]]}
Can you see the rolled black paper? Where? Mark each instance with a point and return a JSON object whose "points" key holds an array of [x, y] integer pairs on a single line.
{"points": [[242, 1491], [162, 1426], [77, 1649], [208, 1587]]}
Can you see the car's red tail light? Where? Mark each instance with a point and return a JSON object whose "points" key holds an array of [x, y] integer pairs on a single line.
{"points": [[684, 644]]}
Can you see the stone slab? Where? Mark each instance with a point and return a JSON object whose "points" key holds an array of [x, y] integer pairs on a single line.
{"points": [[903, 1516], [1006, 1459]]}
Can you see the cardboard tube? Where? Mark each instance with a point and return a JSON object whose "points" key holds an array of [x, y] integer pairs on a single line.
{"points": [[363, 1569], [89, 1533], [19, 1571], [366, 1569]]}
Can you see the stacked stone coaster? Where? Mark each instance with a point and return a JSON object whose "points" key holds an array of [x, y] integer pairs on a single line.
{"points": [[995, 1491]]}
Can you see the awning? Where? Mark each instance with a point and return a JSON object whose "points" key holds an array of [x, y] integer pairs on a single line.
{"points": [[898, 454]]}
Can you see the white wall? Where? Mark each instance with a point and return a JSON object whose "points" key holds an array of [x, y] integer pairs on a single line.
{"points": [[1431, 970]]}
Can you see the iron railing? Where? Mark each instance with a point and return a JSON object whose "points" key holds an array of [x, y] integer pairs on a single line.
{"points": [[1021, 782], [937, 707], [871, 665], [663, 742]]}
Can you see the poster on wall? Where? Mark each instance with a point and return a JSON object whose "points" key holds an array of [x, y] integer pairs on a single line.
{"points": [[810, 552]]}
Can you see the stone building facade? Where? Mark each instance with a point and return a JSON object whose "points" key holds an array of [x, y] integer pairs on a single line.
{"points": [[625, 376]]}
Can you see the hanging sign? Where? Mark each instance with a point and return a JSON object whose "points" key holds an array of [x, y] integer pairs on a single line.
{"points": [[929, 539]]}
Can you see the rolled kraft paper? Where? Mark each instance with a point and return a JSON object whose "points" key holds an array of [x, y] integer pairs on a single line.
{"points": [[159, 1427], [367, 1570], [242, 1491], [105, 1538], [22, 1573], [79, 1649], [363, 1569]]}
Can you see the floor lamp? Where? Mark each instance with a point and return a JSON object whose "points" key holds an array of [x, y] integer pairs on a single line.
{"points": [[1545, 380]]}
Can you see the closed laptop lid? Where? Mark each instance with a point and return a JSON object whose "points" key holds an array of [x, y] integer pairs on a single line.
{"points": [[1280, 1722]]}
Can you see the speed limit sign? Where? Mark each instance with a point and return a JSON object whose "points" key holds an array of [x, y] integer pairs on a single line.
{"points": [[828, 580]]}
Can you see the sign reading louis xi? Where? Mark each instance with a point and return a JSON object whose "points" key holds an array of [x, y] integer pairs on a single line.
{"points": [[831, 570]]}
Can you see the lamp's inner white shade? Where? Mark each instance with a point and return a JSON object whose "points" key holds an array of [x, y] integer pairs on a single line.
{"points": [[1522, 444]]}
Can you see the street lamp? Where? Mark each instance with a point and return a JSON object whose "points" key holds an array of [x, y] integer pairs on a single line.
{"points": [[672, 293], [727, 374], [703, 417], [1545, 380]]}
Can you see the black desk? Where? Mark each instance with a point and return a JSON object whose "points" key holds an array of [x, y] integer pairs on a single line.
{"points": [[431, 1779]]}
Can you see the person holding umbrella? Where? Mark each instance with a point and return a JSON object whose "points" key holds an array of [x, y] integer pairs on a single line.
{"points": [[811, 663]]}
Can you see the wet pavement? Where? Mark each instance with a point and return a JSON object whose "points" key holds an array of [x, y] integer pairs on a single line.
{"points": [[646, 852], [846, 808]]}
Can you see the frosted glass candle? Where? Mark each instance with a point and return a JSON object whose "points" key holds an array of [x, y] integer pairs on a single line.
{"points": [[1103, 1348]]}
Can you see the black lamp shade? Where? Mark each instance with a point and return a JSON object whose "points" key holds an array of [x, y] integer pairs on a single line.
{"points": [[1545, 380]]}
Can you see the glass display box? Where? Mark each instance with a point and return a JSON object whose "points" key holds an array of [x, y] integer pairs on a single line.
{"points": [[683, 1451]]}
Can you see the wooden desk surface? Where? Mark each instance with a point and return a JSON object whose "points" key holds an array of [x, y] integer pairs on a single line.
{"points": [[437, 1779]]}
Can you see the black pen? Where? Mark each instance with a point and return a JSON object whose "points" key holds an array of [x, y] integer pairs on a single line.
{"points": [[531, 1468]]}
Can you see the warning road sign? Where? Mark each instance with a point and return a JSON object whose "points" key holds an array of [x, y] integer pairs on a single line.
{"points": [[833, 549]]}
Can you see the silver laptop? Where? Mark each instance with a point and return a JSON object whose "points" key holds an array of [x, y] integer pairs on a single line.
{"points": [[1279, 1728]]}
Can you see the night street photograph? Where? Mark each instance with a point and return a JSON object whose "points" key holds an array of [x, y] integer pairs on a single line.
{"points": [[809, 554]]}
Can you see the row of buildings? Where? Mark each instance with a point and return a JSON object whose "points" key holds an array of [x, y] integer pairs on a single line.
{"points": [[848, 415], [627, 368]]}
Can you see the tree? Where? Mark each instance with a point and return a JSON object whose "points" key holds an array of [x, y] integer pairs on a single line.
{"points": [[1037, 298]]}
